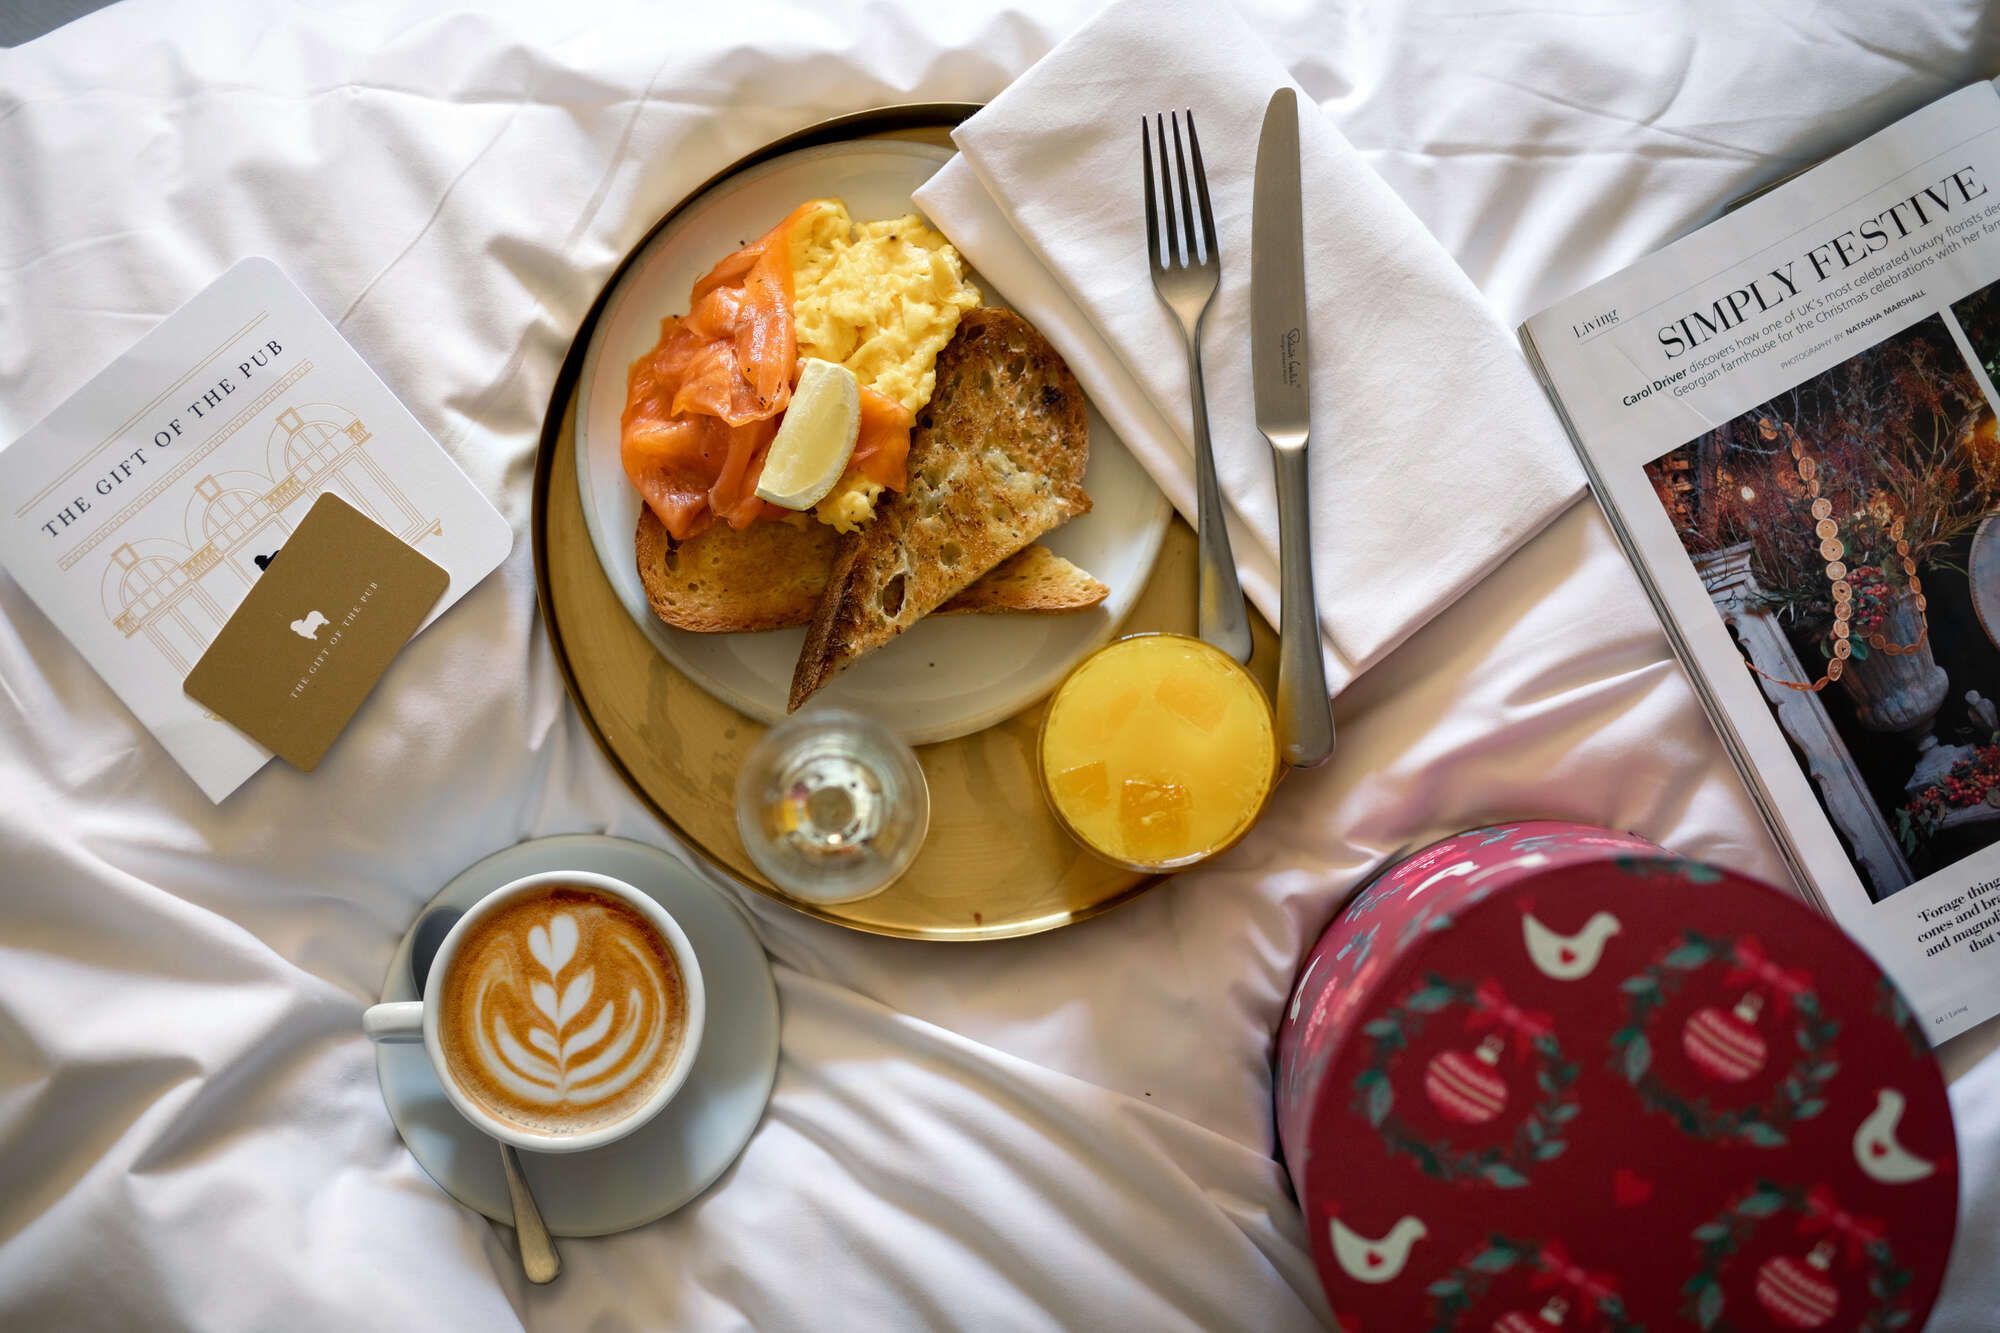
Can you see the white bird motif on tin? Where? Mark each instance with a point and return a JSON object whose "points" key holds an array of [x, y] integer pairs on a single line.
{"points": [[1375, 1261], [1876, 1149], [1568, 957]]}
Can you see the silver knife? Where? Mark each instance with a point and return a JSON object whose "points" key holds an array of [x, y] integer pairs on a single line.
{"points": [[1280, 362]]}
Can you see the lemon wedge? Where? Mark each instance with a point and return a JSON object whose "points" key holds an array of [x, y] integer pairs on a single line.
{"points": [[814, 441]]}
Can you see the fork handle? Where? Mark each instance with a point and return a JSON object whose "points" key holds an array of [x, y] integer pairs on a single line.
{"points": [[1305, 713], [1221, 618]]}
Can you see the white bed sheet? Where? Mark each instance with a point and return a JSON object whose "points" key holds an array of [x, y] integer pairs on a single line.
{"points": [[1067, 1131]]}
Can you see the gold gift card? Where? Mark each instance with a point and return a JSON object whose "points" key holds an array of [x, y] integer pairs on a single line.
{"points": [[335, 604]]}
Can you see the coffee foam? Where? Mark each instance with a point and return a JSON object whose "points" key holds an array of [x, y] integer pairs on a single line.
{"points": [[563, 1010]]}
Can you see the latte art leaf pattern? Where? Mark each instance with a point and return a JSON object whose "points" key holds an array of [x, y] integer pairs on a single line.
{"points": [[567, 1009]]}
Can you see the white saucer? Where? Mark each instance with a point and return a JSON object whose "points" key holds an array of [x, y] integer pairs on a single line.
{"points": [[679, 1154]]}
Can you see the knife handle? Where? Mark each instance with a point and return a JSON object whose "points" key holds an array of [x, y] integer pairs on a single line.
{"points": [[1305, 713], [1221, 618]]}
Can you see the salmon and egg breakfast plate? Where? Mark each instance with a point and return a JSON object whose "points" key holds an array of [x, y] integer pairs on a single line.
{"points": [[820, 460]]}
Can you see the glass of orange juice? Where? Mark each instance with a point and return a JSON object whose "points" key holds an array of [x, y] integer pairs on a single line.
{"points": [[1157, 751]]}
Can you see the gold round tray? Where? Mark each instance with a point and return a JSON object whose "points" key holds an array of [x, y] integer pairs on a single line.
{"points": [[995, 864]]}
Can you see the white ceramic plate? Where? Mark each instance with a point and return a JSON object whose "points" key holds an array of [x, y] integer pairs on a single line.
{"points": [[945, 677], [674, 1156]]}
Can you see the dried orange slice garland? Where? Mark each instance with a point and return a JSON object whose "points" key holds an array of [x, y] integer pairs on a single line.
{"points": [[1834, 551]]}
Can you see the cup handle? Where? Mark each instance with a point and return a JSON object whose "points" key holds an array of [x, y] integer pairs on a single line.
{"points": [[397, 1023]]}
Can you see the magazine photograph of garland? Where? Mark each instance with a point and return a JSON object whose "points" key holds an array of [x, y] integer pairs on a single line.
{"points": [[1845, 531]]}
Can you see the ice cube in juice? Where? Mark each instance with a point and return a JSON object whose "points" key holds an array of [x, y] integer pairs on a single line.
{"points": [[1158, 751]]}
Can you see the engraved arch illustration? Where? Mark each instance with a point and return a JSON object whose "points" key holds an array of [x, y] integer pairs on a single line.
{"points": [[177, 589]]}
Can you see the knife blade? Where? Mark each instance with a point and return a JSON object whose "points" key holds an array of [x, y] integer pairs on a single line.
{"points": [[1278, 279], [1280, 366]]}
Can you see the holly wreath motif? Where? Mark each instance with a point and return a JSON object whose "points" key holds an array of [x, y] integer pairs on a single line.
{"points": [[1797, 1291], [1727, 1045], [1468, 1087], [1557, 1285]]}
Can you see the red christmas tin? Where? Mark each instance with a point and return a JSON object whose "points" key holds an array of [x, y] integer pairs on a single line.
{"points": [[1546, 1076]]}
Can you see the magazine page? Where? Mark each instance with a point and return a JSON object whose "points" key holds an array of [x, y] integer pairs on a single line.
{"points": [[1789, 417]]}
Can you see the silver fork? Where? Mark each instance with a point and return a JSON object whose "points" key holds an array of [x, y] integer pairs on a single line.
{"points": [[1185, 278]]}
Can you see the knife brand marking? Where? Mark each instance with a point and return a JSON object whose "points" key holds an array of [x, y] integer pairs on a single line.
{"points": [[1291, 357]]}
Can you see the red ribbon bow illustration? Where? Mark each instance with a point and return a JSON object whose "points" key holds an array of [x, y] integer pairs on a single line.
{"points": [[1558, 1269], [1824, 1213], [1754, 967], [1494, 1009]]}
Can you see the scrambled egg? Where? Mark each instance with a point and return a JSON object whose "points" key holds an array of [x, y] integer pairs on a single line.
{"points": [[849, 504], [882, 299]]}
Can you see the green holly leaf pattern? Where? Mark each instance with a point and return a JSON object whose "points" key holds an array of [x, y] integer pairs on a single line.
{"points": [[1380, 1098], [1689, 956], [1762, 1203], [1763, 1135], [1492, 1259], [1445, 1288], [1638, 1058], [1549, 1149], [1434, 996], [1708, 1306], [1503, 1175]]}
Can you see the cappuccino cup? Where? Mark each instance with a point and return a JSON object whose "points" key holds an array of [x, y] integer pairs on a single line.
{"points": [[562, 1011]]}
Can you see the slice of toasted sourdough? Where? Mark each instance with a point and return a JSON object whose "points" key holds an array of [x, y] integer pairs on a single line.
{"points": [[1034, 579], [771, 575], [997, 459], [767, 576]]}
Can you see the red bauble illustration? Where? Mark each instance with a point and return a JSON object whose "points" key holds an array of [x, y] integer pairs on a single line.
{"points": [[1799, 1294], [1549, 1317], [1726, 1046], [1468, 1088]]}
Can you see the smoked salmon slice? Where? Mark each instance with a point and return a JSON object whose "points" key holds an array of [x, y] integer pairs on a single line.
{"points": [[702, 406], [882, 448]]}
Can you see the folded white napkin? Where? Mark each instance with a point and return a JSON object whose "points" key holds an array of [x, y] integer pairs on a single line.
{"points": [[1434, 453]]}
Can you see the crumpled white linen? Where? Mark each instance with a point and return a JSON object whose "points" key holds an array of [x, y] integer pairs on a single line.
{"points": [[1435, 453], [1067, 1131]]}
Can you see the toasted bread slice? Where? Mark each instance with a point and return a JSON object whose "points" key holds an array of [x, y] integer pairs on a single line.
{"points": [[767, 576], [771, 575], [1035, 579], [997, 459]]}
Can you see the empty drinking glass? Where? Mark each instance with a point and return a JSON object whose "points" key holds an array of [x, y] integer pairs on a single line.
{"points": [[832, 806]]}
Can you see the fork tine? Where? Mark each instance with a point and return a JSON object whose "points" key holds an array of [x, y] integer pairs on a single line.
{"points": [[1173, 257], [1201, 189], [1187, 204], [1152, 205]]}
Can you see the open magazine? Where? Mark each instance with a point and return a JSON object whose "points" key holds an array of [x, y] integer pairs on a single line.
{"points": [[1789, 419]]}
